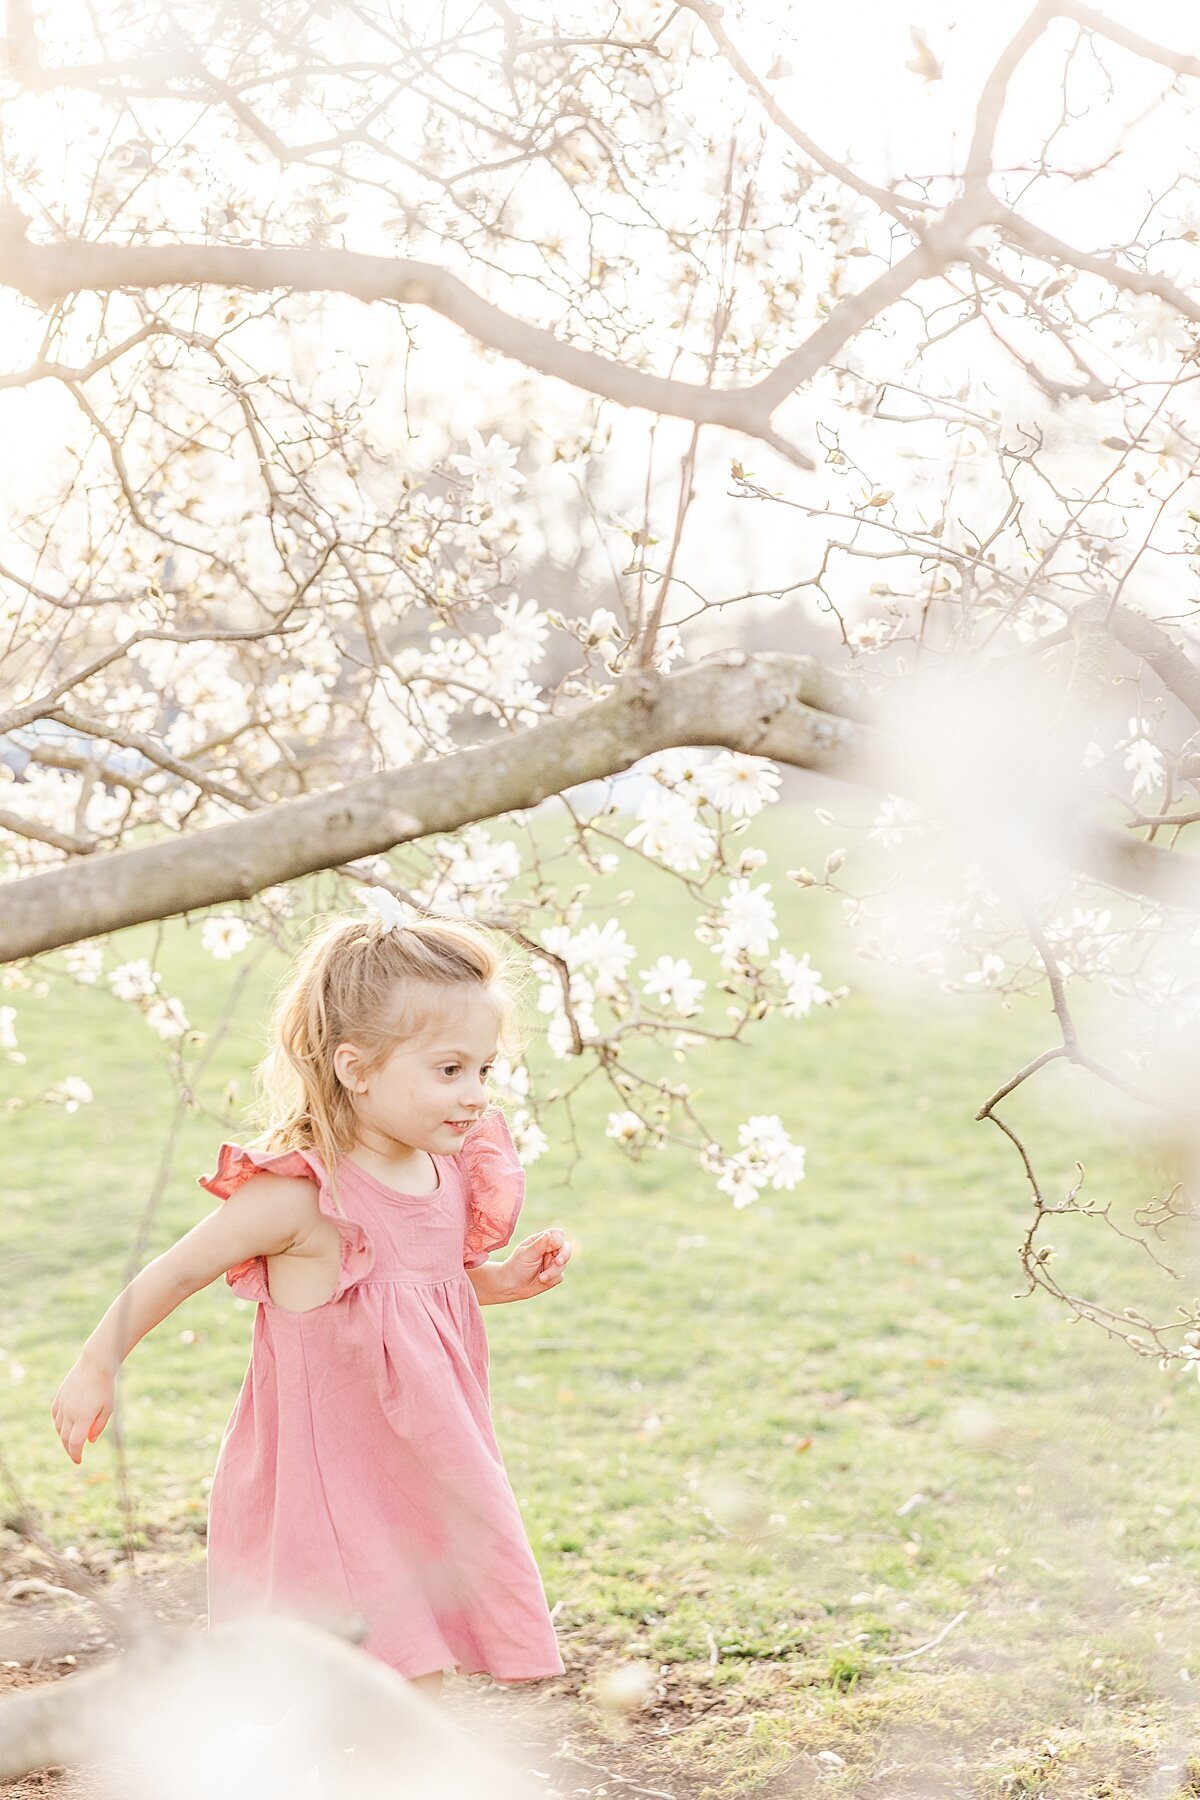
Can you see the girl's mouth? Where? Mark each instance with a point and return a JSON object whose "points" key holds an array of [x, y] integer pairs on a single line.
{"points": [[459, 1125]]}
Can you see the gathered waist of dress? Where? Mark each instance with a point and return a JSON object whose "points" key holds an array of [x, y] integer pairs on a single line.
{"points": [[406, 1278]]}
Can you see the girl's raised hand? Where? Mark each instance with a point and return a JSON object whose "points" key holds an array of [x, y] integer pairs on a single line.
{"points": [[83, 1406], [537, 1263]]}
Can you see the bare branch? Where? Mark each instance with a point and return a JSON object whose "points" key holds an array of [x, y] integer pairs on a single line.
{"points": [[1053, 250], [895, 204], [48, 272], [995, 92], [1096, 22]]}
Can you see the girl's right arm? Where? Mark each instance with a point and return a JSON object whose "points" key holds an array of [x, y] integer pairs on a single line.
{"points": [[263, 1217]]}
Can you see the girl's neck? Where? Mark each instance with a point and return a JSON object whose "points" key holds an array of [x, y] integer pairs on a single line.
{"points": [[417, 1166]]}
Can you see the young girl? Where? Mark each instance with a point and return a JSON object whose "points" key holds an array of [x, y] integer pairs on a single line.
{"points": [[359, 1472]]}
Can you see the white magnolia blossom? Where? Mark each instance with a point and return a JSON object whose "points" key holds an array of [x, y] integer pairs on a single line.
{"points": [[802, 982], [607, 952], [402, 712], [897, 819], [558, 1032], [299, 700], [1082, 944], [1156, 327], [601, 627], [509, 1080], [768, 1155], [581, 990], [977, 883], [8, 1034], [84, 961], [278, 901], [746, 922], [225, 936], [516, 643], [489, 467], [671, 980], [762, 1133], [870, 634], [1168, 994], [581, 987], [742, 1180], [559, 940], [787, 1166], [991, 967], [624, 1127], [70, 1093], [134, 980], [475, 875], [679, 769], [529, 1140], [1144, 759], [1035, 619], [739, 784], [208, 697], [166, 1017], [668, 647], [47, 795], [669, 831]]}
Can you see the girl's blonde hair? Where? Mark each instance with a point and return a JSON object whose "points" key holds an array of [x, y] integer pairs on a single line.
{"points": [[355, 980]]}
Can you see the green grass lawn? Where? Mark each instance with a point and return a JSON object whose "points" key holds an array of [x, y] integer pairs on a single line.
{"points": [[762, 1450]]}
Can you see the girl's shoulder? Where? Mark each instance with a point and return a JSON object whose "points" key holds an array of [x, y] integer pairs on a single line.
{"points": [[238, 1163]]}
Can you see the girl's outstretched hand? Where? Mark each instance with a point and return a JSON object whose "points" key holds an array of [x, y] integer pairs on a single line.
{"points": [[537, 1263], [83, 1406]]}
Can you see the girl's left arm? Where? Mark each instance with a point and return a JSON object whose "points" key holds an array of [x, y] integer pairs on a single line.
{"points": [[536, 1264]]}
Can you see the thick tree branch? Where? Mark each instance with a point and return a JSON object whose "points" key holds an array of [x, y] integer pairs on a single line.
{"points": [[1146, 638], [790, 708]]}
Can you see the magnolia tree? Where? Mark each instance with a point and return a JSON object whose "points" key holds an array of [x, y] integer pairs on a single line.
{"points": [[324, 319]]}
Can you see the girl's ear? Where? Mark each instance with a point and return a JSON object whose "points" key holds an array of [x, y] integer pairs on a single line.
{"points": [[346, 1067]]}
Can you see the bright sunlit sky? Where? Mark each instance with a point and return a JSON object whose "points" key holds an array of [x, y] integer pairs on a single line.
{"points": [[850, 88]]}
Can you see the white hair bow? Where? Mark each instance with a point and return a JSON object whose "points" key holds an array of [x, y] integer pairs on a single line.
{"points": [[386, 907]]}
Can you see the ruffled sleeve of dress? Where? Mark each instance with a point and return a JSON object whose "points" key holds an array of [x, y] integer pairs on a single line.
{"points": [[236, 1165], [495, 1186]]}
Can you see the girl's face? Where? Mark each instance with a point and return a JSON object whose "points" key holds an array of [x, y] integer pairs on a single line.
{"points": [[431, 1087]]}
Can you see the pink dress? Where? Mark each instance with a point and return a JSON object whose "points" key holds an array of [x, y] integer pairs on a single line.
{"points": [[359, 1472]]}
